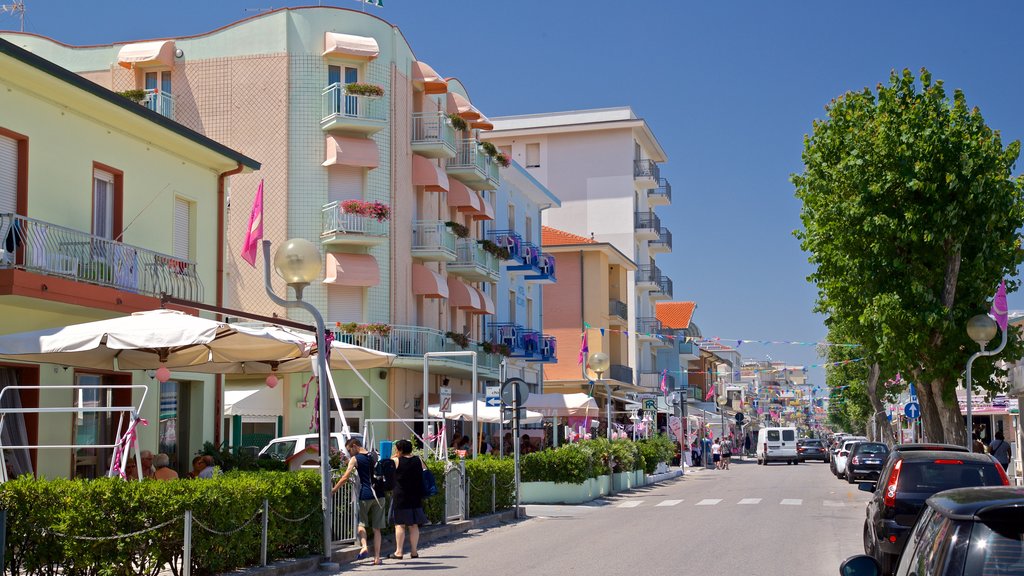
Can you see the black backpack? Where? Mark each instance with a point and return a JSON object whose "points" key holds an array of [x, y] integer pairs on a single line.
{"points": [[382, 476]]}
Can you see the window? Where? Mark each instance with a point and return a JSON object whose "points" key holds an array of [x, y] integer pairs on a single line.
{"points": [[528, 230], [182, 240], [512, 306], [533, 155], [788, 435], [529, 313], [106, 202], [346, 75], [11, 150], [773, 435], [512, 217], [159, 79]]}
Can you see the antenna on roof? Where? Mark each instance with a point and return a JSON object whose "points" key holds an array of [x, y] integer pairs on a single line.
{"points": [[267, 9], [15, 7]]}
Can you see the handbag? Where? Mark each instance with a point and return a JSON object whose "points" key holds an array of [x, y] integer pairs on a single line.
{"points": [[429, 484]]}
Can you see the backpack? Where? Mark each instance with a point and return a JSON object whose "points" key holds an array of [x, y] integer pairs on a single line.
{"points": [[382, 475]]}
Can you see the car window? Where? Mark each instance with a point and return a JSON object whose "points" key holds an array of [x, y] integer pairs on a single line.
{"points": [[929, 476], [938, 545], [788, 435], [773, 435], [810, 443], [872, 448], [281, 450], [995, 553]]}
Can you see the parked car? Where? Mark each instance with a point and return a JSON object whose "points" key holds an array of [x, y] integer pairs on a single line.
{"points": [[777, 444], [866, 461], [839, 461], [960, 532], [811, 449], [285, 447], [907, 480]]}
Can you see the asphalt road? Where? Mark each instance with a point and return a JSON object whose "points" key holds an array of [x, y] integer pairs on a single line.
{"points": [[778, 520]]}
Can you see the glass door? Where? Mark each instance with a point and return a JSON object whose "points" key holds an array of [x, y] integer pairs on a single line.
{"points": [[351, 102], [90, 428]]}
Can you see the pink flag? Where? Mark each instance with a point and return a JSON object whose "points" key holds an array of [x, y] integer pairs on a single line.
{"points": [[254, 233], [584, 349], [711, 392], [664, 389], [999, 308]]}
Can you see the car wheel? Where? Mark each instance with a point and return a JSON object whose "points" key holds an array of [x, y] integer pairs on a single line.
{"points": [[868, 544], [850, 478]]}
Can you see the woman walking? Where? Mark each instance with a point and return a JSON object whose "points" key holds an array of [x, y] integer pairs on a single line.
{"points": [[408, 506]]}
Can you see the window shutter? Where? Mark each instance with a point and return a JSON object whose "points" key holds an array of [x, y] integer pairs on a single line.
{"points": [[8, 175], [345, 183], [103, 204], [344, 303], [182, 233], [533, 155]]}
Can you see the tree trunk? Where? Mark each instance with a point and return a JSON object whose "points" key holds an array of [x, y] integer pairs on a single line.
{"points": [[878, 419], [931, 420], [953, 424]]}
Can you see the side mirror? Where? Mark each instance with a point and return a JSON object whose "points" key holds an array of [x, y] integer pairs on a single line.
{"points": [[866, 487], [861, 565]]}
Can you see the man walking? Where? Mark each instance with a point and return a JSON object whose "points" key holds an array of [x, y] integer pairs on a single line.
{"points": [[716, 453], [370, 508], [726, 453]]}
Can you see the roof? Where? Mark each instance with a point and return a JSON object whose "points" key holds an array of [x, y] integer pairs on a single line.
{"points": [[69, 77], [966, 503], [554, 237], [675, 315]]}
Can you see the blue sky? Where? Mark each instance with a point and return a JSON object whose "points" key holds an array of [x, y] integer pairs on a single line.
{"points": [[729, 88]]}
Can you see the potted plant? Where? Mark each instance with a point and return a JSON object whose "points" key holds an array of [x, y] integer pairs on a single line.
{"points": [[458, 122], [500, 252], [459, 230], [364, 89], [136, 96], [379, 329], [489, 148], [377, 210], [461, 339], [502, 160]]}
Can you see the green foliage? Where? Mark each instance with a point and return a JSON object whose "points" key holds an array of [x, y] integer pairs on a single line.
{"points": [[364, 89], [910, 216], [489, 149], [656, 449], [479, 470], [575, 463], [40, 511], [134, 95], [460, 230], [458, 122], [625, 455], [569, 464]]}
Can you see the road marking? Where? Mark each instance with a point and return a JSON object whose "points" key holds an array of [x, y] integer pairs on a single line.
{"points": [[668, 502], [631, 504], [833, 503], [709, 502], [750, 501], [791, 502]]}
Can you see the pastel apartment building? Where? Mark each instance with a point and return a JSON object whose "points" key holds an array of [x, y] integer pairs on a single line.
{"points": [[104, 207]]}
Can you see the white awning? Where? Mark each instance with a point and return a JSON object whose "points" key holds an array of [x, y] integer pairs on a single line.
{"points": [[143, 53], [253, 401], [350, 45]]}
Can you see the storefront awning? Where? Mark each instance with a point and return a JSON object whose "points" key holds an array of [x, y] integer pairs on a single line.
{"points": [[426, 79], [562, 404], [350, 46], [486, 211], [458, 104], [461, 197], [342, 151], [427, 174], [482, 123], [253, 401], [463, 296], [486, 304], [427, 283], [158, 52], [352, 270]]}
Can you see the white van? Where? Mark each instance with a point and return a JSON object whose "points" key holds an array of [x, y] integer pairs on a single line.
{"points": [[777, 445]]}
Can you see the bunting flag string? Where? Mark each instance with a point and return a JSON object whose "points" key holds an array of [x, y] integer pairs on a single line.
{"points": [[727, 342]]}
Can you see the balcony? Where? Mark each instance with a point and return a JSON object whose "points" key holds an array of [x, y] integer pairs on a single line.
{"points": [[620, 373], [529, 260], [649, 329], [648, 278], [511, 241], [472, 166], [44, 248], [343, 112], [473, 263], [339, 228], [433, 135], [660, 196], [432, 240], [664, 289], [512, 337], [652, 380], [618, 312], [546, 268], [160, 102], [663, 243], [548, 351], [688, 351], [646, 174], [647, 225], [409, 343]]}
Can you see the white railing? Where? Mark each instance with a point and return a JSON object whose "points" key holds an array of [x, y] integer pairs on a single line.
{"points": [[432, 235], [432, 127], [469, 155], [334, 220], [160, 102], [415, 341], [471, 253], [335, 101]]}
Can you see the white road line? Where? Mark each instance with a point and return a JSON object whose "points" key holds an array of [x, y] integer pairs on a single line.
{"points": [[631, 504], [668, 502], [709, 502], [750, 501], [791, 502], [833, 503]]}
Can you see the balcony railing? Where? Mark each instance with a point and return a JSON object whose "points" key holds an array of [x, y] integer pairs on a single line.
{"points": [[473, 262], [529, 259], [548, 350], [648, 275], [510, 240], [662, 194], [646, 220], [414, 341], [648, 326], [433, 135], [618, 308], [545, 270], [663, 241], [160, 102], [664, 287], [653, 380], [343, 110], [620, 373], [433, 240], [512, 336], [646, 170], [37, 246], [472, 166], [335, 221]]}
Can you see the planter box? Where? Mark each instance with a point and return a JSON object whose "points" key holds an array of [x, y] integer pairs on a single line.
{"points": [[603, 485], [639, 478], [552, 493], [623, 481]]}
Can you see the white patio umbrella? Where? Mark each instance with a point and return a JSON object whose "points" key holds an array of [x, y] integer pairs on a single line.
{"points": [[147, 340], [488, 414], [357, 356]]}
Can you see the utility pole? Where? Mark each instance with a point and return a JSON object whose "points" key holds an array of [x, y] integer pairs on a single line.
{"points": [[15, 7]]}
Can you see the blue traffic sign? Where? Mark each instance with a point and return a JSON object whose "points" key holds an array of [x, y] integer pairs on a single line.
{"points": [[912, 410]]}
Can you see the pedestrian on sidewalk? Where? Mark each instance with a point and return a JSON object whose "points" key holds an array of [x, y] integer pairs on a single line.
{"points": [[726, 453], [716, 453], [1000, 450], [370, 508], [408, 507]]}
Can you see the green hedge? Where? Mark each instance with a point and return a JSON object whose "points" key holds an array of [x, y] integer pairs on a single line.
{"points": [[657, 449], [575, 463], [478, 472], [46, 520]]}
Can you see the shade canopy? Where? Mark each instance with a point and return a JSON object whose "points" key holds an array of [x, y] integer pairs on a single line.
{"points": [[426, 173], [253, 401], [486, 211], [155, 53], [426, 79], [460, 105], [463, 411], [462, 295], [352, 270], [427, 283], [461, 197], [350, 46], [482, 123], [486, 304], [360, 358], [562, 404], [343, 151]]}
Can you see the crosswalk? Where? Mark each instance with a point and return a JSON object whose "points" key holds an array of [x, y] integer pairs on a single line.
{"points": [[637, 503]]}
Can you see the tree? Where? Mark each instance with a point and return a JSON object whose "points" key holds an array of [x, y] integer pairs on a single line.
{"points": [[910, 217]]}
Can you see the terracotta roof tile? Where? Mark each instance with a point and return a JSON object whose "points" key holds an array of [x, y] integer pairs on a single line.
{"points": [[554, 237], [675, 315]]}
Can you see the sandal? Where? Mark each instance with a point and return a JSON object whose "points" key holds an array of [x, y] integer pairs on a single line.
{"points": [[363, 554], [378, 562], [414, 555], [396, 556]]}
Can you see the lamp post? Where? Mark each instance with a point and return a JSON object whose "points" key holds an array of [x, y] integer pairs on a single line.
{"points": [[722, 400], [981, 328], [599, 363], [298, 263]]}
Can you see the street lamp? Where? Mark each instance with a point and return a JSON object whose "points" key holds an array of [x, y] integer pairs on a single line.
{"points": [[722, 401], [298, 263], [982, 329], [600, 363]]}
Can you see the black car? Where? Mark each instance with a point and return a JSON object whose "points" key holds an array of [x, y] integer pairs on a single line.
{"points": [[811, 449], [866, 461], [906, 481], [961, 532]]}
